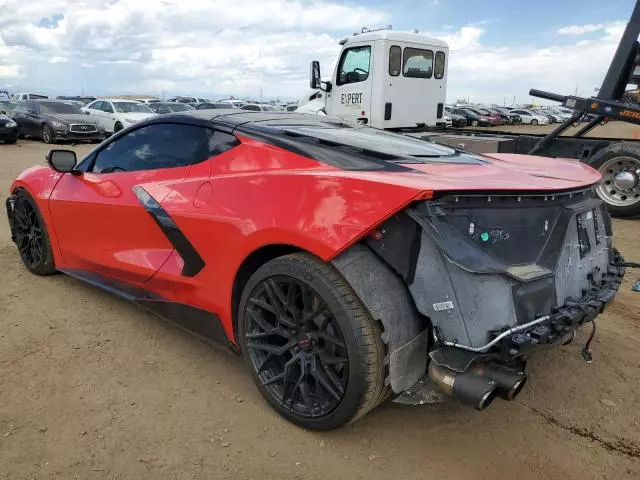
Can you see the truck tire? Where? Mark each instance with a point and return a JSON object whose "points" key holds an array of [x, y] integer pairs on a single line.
{"points": [[314, 351], [619, 164]]}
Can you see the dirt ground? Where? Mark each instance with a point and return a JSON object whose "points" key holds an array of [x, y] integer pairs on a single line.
{"points": [[91, 387]]}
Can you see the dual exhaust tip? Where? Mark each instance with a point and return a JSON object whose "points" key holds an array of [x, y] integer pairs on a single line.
{"points": [[480, 385]]}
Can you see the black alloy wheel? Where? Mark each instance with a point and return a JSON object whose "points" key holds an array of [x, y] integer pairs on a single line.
{"points": [[296, 346], [31, 236], [314, 352]]}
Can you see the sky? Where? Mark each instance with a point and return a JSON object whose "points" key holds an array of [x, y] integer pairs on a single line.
{"points": [[215, 48]]}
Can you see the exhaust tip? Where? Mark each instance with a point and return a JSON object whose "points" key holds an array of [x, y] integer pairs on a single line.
{"points": [[487, 399], [516, 388]]}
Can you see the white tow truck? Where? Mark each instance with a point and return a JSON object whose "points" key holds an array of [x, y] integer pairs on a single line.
{"points": [[384, 79], [398, 81]]}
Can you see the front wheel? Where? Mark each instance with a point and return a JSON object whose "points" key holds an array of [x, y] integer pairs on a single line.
{"points": [[117, 127], [314, 352], [474, 123], [534, 122], [31, 235], [47, 134]]}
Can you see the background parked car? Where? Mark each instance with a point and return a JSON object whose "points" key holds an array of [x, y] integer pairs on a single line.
{"points": [[212, 106], [494, 118], [147, 101], [553, 118], [193, 100], [457, 120], [114, 114], [514, 118], [505, 120], [8, 129], [53, 120], [259, 107], [21, 97], [77, 98], [6, 108], [531, 118], [169, 107], [234, 103], [474, 119]]}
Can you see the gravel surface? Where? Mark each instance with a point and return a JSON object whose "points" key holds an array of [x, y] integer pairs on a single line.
{"points": [[91, 387]]}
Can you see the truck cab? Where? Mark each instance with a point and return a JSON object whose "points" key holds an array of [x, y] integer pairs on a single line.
{"points": [[385, 79]]}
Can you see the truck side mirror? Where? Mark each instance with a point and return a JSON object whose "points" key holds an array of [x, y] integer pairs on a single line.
{"points": [[314, 80]]}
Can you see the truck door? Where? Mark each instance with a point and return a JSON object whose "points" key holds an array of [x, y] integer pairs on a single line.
{"points": [[350, 97]]}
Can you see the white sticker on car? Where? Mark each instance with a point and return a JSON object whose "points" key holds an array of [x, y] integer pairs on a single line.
{"points": [[438, 307]]}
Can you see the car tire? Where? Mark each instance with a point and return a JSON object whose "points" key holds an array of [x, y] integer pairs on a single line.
{"points": [[117, 127], [610, 161], [31, 235], [474, 123], [534, 122], [47, 134], [319, 372], [11, 141]]}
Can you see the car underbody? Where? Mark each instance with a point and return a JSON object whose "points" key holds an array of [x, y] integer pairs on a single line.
{"points": [[468, 283]]}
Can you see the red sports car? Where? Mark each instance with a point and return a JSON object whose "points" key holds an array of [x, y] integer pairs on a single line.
{"points": [[344, 263]]}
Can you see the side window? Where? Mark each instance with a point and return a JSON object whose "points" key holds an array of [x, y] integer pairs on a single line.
{"points": [[31, 107], [417, 63], [254, 108], [96, 105], [439, 65], [161, 145], [107, 107], [395, 60], [354, 65]]}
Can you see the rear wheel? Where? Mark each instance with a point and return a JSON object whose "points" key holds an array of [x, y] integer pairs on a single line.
{"points": [[619, 165], [31, 235], [474, 123], [314, 352], [534, 122]]}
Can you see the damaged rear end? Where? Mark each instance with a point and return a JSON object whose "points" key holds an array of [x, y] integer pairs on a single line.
{"points": [[465, 284]]}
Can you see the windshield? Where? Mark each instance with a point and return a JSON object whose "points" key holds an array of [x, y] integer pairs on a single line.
{"points": [[130, 107], [58, 107]]}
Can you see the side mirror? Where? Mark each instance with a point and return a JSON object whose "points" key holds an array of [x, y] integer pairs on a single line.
{"points": [[87, 112], [314, 80], [63, 161]]}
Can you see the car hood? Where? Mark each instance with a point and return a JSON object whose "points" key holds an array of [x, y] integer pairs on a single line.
{"points": [[501, 172], [69, 118]]}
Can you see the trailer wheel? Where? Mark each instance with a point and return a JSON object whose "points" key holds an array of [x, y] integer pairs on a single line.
{"points": [[619, 165]]}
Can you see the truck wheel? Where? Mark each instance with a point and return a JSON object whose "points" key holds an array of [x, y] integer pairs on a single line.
{"points": [[314, 352], [534, 122], [619, 165]]}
